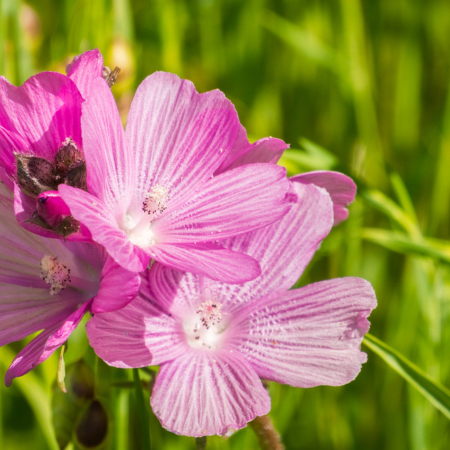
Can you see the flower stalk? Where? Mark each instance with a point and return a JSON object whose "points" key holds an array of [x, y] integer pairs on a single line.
{"points": [[268, 436]]}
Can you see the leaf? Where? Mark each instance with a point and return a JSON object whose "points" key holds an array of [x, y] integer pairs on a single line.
{"points": [[311, 157], [402, 243], [384, 204], [436, 393], [36, 395]]}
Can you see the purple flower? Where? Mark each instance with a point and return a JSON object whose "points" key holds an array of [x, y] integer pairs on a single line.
{"points": [[153, 192], [41, 144], [214, 341], [47, 284]]}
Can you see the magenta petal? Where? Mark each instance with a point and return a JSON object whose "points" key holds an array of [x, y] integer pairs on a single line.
{"points": [[208, 259], [44, 111], [9, 141], [84, 69], [286, 247], [179, 137], [341, 188], [139, 335], [110, 167], [41, 347], [94, 214], [25, 310], [233, 203], [117, 288], [309, 336], [266, 150], [205, 393]]}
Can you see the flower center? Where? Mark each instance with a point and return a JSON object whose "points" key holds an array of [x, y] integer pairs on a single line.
{"points": [[55, 273], [156, 200], [204, 329]]}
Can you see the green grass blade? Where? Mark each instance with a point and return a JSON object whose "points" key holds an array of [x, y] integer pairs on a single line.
{"points": [[437, 394], [37, 397], [300, 40], [384, 204], [142, 411], [402, 243]]}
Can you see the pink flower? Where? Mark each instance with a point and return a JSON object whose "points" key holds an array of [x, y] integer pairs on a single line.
{"points": [[41, 144], [214, 341], [47, 284], [152, 192], [341, 188]]}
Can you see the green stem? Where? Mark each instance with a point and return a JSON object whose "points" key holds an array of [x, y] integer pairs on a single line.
{"points": [[142, 411]]}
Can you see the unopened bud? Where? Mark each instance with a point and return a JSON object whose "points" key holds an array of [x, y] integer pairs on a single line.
{"points": [[92, 428]]}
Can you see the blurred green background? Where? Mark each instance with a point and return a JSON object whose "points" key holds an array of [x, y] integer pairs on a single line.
{"points": [[356, 86]]}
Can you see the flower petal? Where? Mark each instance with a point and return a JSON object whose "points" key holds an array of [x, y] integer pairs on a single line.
{"points": [[84, 69], [42, 346], [309, 336], [95, 215], [266, 150], [25, 310], [283, 249], [139, 335], [208, 259], [110, 167], [117, 288], [43, 112], [236, 202], [179, 137], [205, 393], [341, 188]]}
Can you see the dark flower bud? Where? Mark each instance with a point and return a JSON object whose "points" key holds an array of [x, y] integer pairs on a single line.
{"points": [[92, 428]]}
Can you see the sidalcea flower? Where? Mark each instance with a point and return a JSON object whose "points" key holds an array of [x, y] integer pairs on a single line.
{"points": [[152, 190], [214, 341], [48, 285], [41, 145]]}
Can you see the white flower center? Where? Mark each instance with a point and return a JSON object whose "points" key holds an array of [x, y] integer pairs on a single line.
{"points": [[138, 226], [54, 273], [204, 328]]}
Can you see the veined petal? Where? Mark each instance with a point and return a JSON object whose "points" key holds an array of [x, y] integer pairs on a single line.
{"points": [[341, 188], [208, 259], [21, 252], [25, 310], [309, 336], [42, 346], [43, 112], [284, 248], [236, 202], [139, 335], [266, 150], [84, 69], [118, 287], [96, 216], [110, 167], [179, 137], [204, 393]]}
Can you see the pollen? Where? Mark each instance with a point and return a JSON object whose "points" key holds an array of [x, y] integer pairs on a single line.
{"points": [[156, 200], [55, 273], [210, 313]]}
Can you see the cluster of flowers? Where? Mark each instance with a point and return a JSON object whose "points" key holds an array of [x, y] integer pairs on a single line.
{"points": [[179, 237]]}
